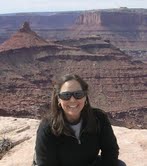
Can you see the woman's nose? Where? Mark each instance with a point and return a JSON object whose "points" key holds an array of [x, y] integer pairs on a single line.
{"points": [[72, 98]]}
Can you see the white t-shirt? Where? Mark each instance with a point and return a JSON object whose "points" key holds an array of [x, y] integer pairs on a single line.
{"points": [[76, 128]]}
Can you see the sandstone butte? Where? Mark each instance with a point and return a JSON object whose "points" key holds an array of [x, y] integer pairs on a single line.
{"points": [[24, 38], [22, 131]]}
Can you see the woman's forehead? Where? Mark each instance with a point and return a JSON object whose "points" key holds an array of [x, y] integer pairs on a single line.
{"points": [[71, 85]]}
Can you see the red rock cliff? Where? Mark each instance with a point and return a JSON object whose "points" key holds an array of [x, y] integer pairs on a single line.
{"points": [[110, 18], [126, 29]]}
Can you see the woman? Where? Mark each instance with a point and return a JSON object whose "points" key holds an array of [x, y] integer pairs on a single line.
{"points": [[74, 133]]}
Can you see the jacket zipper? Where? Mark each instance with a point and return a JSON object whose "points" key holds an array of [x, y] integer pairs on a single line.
{"points": [[78, 139]]}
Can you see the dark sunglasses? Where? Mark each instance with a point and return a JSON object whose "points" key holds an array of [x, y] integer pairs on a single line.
{"points": [[76, 94]]}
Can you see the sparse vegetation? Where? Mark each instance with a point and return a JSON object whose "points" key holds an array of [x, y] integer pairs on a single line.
{"points": [[5, 145]]}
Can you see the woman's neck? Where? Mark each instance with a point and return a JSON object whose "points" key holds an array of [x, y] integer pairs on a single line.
{"points": [[73, 121]]}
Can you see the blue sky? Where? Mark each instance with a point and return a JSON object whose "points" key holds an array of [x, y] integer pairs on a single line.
{"points": [[16, 6]]}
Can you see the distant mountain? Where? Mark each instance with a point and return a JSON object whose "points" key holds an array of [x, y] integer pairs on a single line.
{"points": [[126, 28]]}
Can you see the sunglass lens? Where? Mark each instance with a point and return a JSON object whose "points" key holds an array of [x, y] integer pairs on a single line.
{"points": [[65, 95], [79, 94]]}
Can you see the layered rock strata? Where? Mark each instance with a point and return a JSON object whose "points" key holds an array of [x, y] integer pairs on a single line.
{"points": [[124, 27], [117, 83]]}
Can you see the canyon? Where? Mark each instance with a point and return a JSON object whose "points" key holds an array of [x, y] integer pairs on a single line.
{"points": [[107, 48], [29, 65], [124, 27]]}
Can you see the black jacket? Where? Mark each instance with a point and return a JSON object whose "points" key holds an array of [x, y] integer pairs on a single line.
{"points": [[66, 150]]}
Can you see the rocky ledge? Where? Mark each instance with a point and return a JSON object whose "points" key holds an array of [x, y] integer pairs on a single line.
{"points": [[22, 133]]}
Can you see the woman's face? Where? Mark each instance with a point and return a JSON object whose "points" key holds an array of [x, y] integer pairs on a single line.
{"points": [[72, 108]]}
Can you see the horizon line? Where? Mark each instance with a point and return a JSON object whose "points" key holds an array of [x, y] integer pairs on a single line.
{"points": [[79, 10]]}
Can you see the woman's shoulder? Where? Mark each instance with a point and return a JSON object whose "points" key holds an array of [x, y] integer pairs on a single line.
{"points": [[99, 113], [44, 126], [102, 116]]}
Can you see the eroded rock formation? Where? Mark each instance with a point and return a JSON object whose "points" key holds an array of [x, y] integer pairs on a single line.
{"points": [[25, 37], [117, 83], [124, 27]]}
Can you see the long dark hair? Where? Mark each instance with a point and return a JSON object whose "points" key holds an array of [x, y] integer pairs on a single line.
{"points": [[56, 116]]}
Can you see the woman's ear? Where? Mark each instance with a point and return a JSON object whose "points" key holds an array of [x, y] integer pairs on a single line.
{"points": [[59, 104]]}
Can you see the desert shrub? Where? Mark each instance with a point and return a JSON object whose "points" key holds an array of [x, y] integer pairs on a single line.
{"points": [[5, 145]]}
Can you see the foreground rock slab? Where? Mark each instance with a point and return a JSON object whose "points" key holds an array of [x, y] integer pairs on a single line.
{"points": [[22, 131]]}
